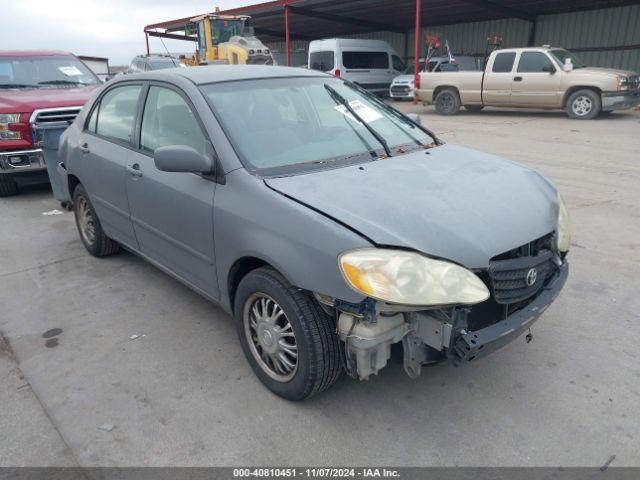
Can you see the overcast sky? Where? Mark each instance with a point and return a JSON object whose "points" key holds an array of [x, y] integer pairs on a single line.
{"points": [[101, 28]]}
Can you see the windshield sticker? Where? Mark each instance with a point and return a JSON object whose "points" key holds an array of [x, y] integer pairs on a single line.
{"points": [[365, 112], [70, 71]]}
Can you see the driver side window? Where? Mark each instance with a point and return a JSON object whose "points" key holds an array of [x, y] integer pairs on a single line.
{"points": [[168, 120]]}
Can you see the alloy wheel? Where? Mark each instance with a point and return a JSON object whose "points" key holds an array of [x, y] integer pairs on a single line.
{"points": [[582, 106]]}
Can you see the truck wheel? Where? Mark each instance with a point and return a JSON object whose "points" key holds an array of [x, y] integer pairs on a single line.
{"points": [[288, 339], [8, 186], [473, 108], [89, 228], [447, 102], [584, 105]]}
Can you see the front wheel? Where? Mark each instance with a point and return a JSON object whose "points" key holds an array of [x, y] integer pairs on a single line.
{"points": [[584, 105], [288, 339], [8, 186], [447, 102]]}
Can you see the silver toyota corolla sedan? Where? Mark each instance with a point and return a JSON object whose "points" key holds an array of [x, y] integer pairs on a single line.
{"points": [[331, 226]]}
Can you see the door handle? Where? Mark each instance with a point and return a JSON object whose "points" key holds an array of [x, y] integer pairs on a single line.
{"points": [[134, 170], [517, 79], [84, 148]]}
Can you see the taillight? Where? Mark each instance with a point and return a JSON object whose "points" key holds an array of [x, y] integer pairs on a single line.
{"points": [[337, 72]]}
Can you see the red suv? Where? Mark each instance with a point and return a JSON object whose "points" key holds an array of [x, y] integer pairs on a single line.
{"points": [[36, 88]]}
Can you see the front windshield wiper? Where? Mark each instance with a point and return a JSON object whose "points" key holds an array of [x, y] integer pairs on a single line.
{"points": [[16, 85], [343, 101], [62, 82]]}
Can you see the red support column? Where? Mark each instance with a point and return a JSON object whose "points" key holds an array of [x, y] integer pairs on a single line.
{"points": [[146, 37], [287, 34], [417, 48]]}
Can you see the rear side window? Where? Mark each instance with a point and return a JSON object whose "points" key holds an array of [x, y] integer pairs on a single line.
{"points": [[504, 62], [533, 62], [168, 120], [365, 60], [117, 113], [323, 61]]}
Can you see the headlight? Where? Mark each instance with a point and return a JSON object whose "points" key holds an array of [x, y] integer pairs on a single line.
{"points": [[408, 278], [623, 83], [563, 229], [5, 120]]}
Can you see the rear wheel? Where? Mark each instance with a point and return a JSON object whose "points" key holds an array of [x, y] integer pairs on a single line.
{"points": [[584, 105], [289, 341], [8, 186], [89, 228], [447, 102]]}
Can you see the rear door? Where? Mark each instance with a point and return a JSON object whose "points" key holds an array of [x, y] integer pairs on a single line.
{"points": [[106, 146], [172, 213], [371, 69], [498, 79], [533, 84]]}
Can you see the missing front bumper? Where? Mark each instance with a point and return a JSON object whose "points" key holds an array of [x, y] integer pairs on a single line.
{"points": [[471, 345]]}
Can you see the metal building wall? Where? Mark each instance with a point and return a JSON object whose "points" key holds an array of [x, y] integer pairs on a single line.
{"points": [[605, 28]]}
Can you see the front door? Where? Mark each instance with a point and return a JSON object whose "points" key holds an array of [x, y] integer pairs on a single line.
{"points": [[536, 82], [105, 147], [172, 213]]}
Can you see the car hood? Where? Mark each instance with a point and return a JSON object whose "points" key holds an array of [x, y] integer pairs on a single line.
{"points": [[28, 100], [610, 72], [448, 202], [403, 78]]}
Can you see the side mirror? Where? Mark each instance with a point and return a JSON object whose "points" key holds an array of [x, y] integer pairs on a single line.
{"points": [[181, 158], [415, 118], [549, 68], [568, 65]]}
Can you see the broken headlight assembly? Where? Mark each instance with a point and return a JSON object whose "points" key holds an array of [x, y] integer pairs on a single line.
{"points": [[563, 228], [6, 120], [408, 278]]}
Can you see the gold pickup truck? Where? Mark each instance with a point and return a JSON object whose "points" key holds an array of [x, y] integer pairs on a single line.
{"points": [[541, 77]]}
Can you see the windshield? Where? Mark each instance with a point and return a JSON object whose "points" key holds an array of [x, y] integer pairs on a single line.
{"points": [[278, 126], [43, 72], [160, 64], [561, 55], [410, 69]]}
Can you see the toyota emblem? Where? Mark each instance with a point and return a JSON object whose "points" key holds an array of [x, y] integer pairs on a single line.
{"points": [[532, 276]]}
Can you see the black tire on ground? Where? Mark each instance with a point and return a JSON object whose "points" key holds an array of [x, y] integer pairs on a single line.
{"points": [[318, 364], [8, 186], [447, 102], [473, 108], [584, 105], [91, 233]]}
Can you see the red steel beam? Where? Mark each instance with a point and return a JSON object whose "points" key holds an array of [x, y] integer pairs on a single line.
{"points": [[417, 49], [287, 32]]}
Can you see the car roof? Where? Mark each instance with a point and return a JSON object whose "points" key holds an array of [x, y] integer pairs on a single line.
{"points": [[32, 53], [225, 73]]}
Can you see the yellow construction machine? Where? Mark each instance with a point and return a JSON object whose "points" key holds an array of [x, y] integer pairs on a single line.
{"points": [[219, 38]]}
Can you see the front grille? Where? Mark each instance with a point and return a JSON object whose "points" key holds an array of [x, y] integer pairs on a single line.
{"points": [[400, 89], [634, 82], [54, 115], [516, 279]]}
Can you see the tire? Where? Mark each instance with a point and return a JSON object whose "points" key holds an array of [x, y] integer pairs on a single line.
{"points": [[447, 102], [300, 323], [89, 228], [473, 108], [584, 105], [8, 186]]}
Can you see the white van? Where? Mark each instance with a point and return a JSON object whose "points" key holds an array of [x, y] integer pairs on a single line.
{"points": [[372, 64]]}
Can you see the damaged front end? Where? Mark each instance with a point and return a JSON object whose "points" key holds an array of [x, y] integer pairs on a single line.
{"points": [[522, 283]]}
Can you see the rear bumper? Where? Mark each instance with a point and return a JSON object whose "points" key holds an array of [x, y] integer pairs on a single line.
{"points": [[22, 161], [473, 345], [620, 100]]}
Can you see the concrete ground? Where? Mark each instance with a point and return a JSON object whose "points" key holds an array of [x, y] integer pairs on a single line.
{"points": [[183, 394]]}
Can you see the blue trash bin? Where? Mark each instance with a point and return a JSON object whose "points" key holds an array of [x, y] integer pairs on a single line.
{"points": [[47, 136]]}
